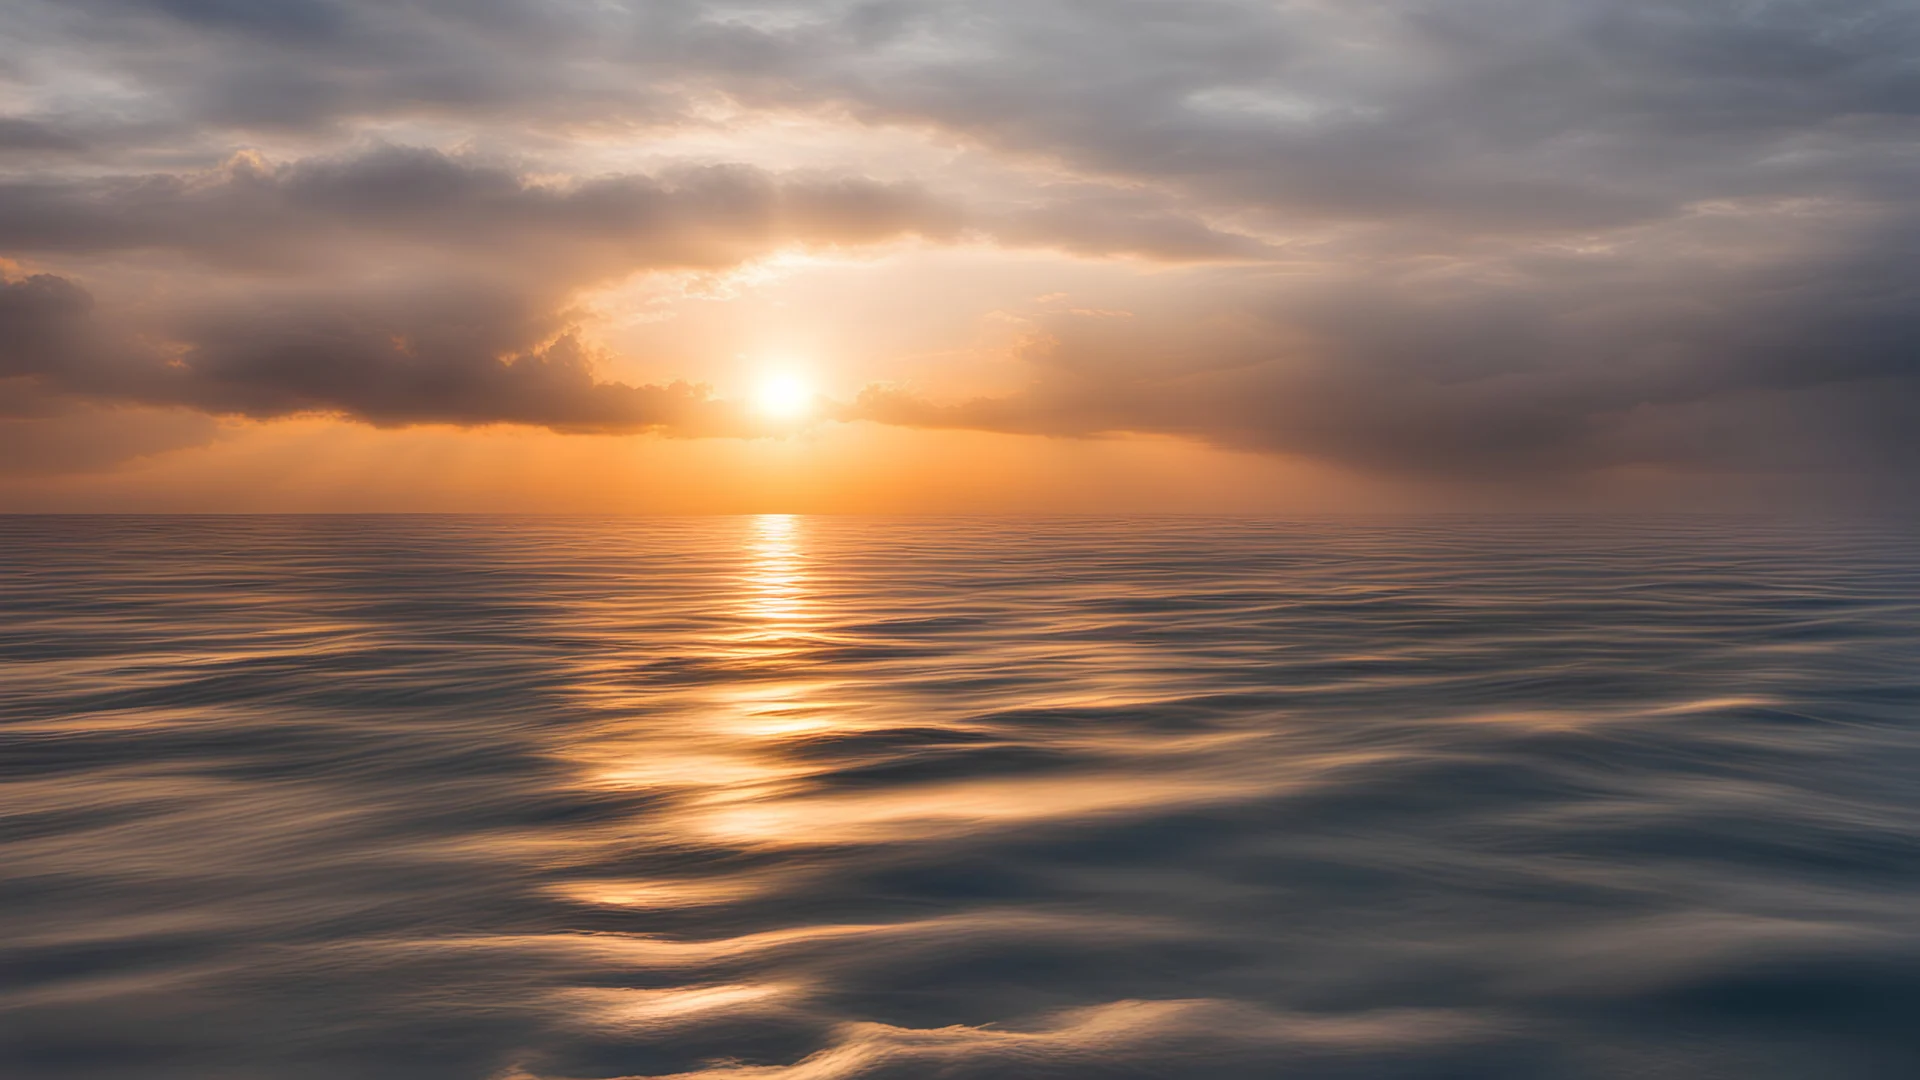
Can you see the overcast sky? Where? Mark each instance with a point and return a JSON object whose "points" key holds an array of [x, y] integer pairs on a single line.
{"points": [[1183, 254]]}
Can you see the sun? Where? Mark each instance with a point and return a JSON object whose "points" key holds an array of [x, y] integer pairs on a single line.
{"points": [[783, 397]]}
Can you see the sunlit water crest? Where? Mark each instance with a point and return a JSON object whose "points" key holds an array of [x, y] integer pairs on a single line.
{"points": [[812, 799]]}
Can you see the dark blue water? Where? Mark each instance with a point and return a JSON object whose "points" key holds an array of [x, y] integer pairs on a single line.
{"points": [[814, 799]]}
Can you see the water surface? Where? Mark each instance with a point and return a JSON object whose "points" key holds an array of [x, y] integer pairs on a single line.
{"points": [[817, 799]]}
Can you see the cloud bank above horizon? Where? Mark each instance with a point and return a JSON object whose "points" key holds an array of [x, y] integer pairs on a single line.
{"points": [[1474, 240]]}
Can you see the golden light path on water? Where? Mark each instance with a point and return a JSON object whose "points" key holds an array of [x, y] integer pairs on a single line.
{"points": [[729, 750]]}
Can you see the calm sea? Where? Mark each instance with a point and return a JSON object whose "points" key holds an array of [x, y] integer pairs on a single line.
{"points": [[828, 798]]}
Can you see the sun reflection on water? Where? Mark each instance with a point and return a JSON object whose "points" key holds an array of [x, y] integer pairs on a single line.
{"points": [[776, 604], [722, 739], [747, 727], [776, 577]]}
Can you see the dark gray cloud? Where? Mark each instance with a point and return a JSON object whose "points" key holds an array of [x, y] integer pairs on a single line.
{"points": [[249, 213], [43, 324], [181, 66], [18, 135], [471, 355]]}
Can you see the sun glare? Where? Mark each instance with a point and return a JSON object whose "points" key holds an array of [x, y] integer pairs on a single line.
{"points": [[783, 397]]}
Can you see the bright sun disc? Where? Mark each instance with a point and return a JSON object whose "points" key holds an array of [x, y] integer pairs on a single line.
{"points": [[782, 396]]}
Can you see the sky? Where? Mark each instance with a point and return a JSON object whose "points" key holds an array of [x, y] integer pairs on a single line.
{"points": [[958, 255]]}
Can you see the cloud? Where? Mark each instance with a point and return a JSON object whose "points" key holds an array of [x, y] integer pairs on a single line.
{"points": [[42, 322], [251, 214], [1543, 114], [463, 356], [1805, 363], [92, 439], [25, 136], [1473, 238], [404, 285], [1498, 113], [459, 357]]}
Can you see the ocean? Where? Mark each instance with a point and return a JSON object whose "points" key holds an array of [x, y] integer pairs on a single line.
{"points": [[822, 798]]}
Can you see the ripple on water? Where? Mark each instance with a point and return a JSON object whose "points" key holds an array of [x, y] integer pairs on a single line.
{"points": [[826, 799]]}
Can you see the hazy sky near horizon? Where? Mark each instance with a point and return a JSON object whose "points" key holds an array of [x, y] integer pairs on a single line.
{"points": [[1045, 254]]}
